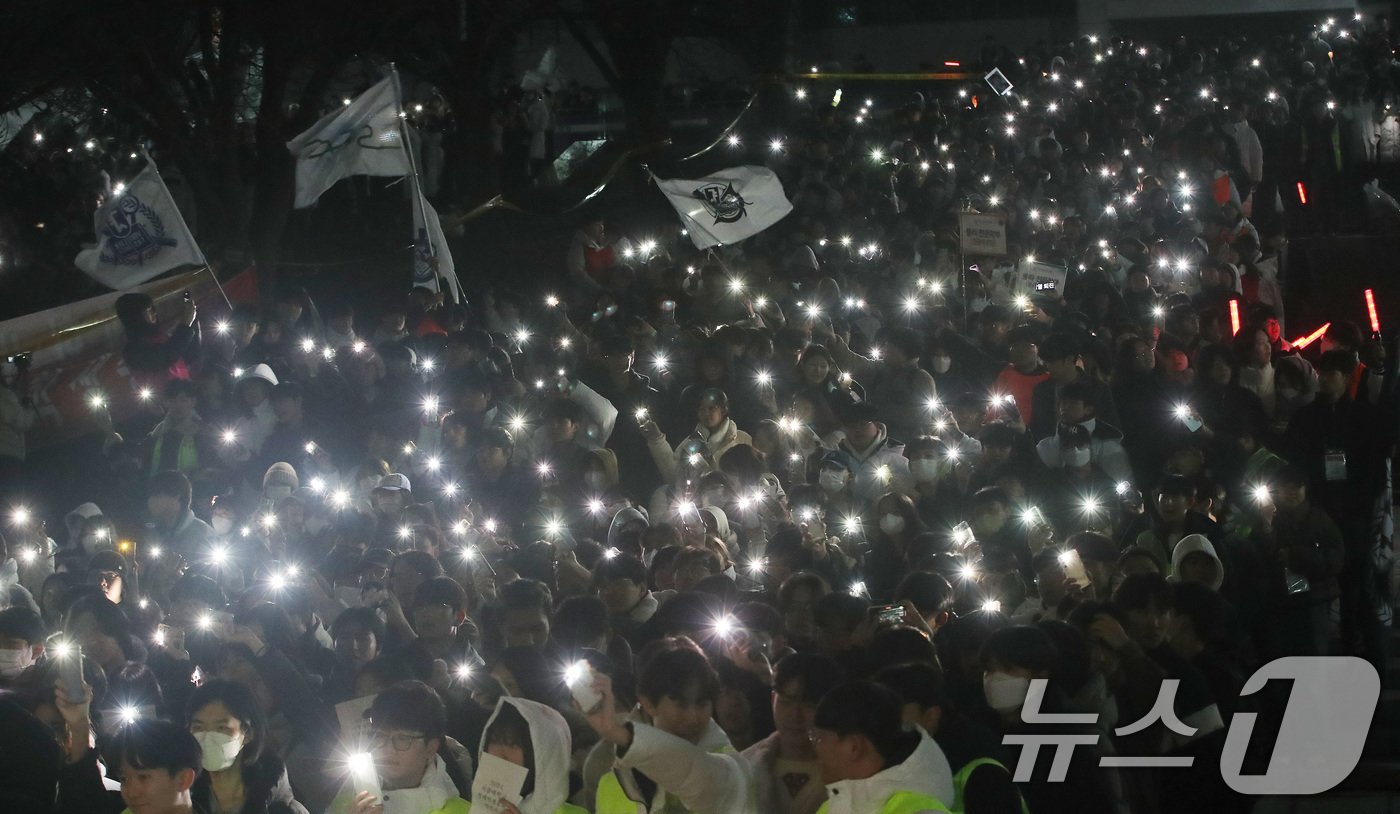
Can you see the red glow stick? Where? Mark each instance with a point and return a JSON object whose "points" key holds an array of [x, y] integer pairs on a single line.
{"points": [[1299, 344], [1302, 194], [1371, 311], [1234, 317]]}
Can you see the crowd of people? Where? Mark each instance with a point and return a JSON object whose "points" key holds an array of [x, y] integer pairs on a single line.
{"points": [[803, 524]]}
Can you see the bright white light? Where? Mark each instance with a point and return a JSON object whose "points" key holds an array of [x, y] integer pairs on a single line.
{"points": [[29, 555], [1261, 493], [219, 556], [858, 589], [733, 140], [433, 464], [724, 626], [991, 606], [877, 154], [776, 145], [97, 400], [522, 336], [800, 93], [543, 469], [230, 437], [595, 506], [1122, 487]]}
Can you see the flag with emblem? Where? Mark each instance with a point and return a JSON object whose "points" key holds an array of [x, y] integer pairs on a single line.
{"points": [[432, 260], [140, 234], [363, 138], [728, 206]]}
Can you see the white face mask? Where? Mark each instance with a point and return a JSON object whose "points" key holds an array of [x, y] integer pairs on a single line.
{"points": [[1079, 456], [222, 523], [597, 481], [276, 493], [940, 364], [926, 469], [220, 750], [832, 481], [13, 662], [891, 523], [1005, 692]]}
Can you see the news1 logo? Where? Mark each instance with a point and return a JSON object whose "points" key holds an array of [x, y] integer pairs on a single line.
{"points": [[1319, 742]]}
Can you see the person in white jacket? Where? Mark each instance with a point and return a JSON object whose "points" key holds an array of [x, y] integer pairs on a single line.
{"points": [[245, 438], [871, 761], [676, 758], [536, 737]]}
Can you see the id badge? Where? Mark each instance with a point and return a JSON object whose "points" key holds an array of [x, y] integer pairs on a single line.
{"points": [[1334, 465]]}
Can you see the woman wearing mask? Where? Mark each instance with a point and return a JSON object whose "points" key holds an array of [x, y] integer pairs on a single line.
{"points": [[240, 775], [893, 546], [1012, 658]]}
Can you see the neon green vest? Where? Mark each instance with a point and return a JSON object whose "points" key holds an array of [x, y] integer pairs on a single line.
{"points": [[903, 802], [965, 773]]}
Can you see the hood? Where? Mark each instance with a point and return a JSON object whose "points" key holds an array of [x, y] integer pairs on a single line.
{"points": [[721, 522], [549, 738], [607, 459], [259, 371], [74, 519], [620, 521], [1190, 544], [882, 444], [926, 771], [281, 474]]}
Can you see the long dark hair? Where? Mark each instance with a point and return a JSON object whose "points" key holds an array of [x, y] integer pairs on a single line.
{"points": [[241, 704]]}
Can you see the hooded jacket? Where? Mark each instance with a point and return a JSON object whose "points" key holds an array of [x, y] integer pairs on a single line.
{"points": [[711, 445], [549, 740], [74, 520], [435, 793], [925, 772], [252, 431], [707, 778], [1190, 544], [868, 480]]}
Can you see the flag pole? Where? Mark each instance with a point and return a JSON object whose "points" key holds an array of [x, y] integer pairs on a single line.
{"points": [[202, 258], [217, 284], [419, 200]]}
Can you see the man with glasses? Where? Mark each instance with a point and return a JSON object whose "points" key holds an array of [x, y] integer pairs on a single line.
{"points": [[407, 723]]}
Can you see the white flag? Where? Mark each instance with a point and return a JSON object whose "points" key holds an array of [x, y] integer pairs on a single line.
{"points": [[726, 207], [14, 121], [431, 257], [140, 234], [361, 139]]}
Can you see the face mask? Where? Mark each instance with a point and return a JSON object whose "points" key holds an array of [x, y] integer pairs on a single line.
{"points": [[1075, 457], [220, 750], [891, 523], [1005, 692], [275, 493], [597, 481], [349, 594], [925, 469], [832, 481], [940, 364], [222, 523], [13, 662]]}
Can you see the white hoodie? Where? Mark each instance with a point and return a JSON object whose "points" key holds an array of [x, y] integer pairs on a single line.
{"points": [[549, 738], [926, 771], [1190, 544]]}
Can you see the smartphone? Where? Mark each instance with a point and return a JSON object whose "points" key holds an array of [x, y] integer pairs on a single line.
{"points": [[70, 671], [579, 677], [667, 306], [962, 535], [365, 775], [888, 614], [1192, 422], [1074, 568]]}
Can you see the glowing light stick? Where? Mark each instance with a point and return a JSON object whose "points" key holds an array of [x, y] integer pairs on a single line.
{"points": [[1299, 344]]}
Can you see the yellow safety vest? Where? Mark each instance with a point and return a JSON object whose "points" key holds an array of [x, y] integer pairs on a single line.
{"points": [[965, 773], [902, 802], [564, 809], [613, 799]]}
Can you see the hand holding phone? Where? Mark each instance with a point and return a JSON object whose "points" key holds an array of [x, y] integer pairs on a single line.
{"points": [[580, 677]]}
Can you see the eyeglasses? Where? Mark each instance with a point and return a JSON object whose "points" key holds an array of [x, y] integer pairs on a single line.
{"points": [[401, 741]]}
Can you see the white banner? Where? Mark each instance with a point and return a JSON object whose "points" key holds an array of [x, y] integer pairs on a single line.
{"points": [[729, 206], [982, 234], [14, 121], [1033, 277], [361, 139], [140, 235]]}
